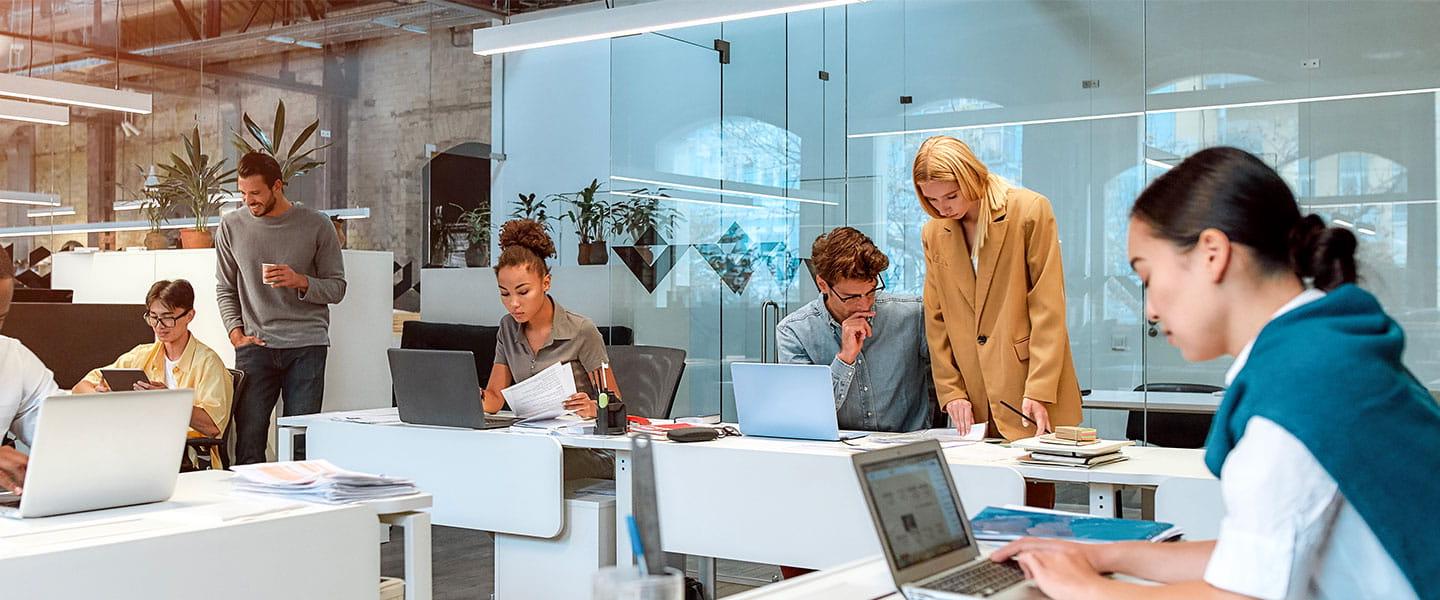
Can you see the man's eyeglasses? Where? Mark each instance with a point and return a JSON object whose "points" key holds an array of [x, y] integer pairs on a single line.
{"points": [[848, 298], [164, 320]]}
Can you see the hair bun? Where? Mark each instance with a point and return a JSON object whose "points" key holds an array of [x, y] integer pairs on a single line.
{"points": [[527, 234], [1324, 254]]}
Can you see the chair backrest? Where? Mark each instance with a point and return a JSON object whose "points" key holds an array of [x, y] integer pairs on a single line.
{"points": [[1171, 429], [648, 377], [237, 387], [479, 339], [72, 339]]}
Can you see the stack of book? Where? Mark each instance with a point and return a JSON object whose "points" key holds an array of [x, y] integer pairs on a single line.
{"points": [[1071, 447], [318, 481]]}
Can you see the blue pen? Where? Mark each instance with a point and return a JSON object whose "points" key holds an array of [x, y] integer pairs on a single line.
{"points": [[636, 546]]}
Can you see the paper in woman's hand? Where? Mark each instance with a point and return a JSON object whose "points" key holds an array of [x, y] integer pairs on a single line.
{"points": [[543, 395]]}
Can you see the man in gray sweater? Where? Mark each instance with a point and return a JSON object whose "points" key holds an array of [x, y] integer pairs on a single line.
{"points": [[279, 268]]}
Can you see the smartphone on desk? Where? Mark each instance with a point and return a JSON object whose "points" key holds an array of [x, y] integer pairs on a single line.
{"points": [[123, 380]]}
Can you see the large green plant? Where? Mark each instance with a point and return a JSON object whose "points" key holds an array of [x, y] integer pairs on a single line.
{"points": [[293, 162], [196, 181], [593, 217], [155, 201], [642, 211]]}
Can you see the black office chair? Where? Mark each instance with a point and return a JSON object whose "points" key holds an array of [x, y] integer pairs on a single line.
{"points": [[1172, 429], [479, 340], [203, 445], [648, 377]]}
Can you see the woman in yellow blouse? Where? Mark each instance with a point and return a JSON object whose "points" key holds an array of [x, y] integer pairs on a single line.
{"points": [[176, 360], [994, 297]]}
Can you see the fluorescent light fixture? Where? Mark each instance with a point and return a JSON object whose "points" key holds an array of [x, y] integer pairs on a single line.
{"points": [[62, 92], [1342, 223], [1320, 205], [124, 205], [1158, 111], [183, 223], [688, 200], [1365, 230], [721, 191], [307, 44], [1159, 164], [280, 39], [37, 213], [413, 28], [33, 112], [542, 32], [31, 198]]}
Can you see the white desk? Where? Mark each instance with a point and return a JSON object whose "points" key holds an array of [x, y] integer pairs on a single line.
{"points": [[1185, 402], [864, 579], [182, 548]]}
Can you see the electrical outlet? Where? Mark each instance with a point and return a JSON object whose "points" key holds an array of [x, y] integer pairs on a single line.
{"points": [[324, 134], [1119, 343], [1090, 84], [1313, 63]]}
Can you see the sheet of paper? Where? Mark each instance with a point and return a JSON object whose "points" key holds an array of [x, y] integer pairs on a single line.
{"points": [[543, 395], [947, 437]]}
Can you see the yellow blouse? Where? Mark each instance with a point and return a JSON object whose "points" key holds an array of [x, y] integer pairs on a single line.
{"points": [[199, 369]]}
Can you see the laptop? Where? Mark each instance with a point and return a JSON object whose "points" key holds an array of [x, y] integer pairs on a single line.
{"points": [[924, 530], [96, 451], [787, 401], [440, 387]]}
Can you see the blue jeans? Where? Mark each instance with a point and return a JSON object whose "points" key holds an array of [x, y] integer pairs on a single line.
{"points": [[298, 373]]}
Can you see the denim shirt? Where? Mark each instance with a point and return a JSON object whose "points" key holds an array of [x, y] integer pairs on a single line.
{"points": [[888, 387]]}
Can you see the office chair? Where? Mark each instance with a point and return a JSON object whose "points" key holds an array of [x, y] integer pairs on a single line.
{"points": [[648, 377], [1172, 429], [207, 449]]}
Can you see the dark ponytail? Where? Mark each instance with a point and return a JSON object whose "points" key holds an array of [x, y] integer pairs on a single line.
{"points": [[1236, 193]]}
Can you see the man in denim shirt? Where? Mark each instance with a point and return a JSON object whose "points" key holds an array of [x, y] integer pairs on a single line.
{"points": [[874, 343]]}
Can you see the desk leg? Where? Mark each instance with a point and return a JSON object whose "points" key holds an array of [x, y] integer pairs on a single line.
{"points": [[1103, 501], [624, 506], [705, 570], [417, 552], [285, 442]]}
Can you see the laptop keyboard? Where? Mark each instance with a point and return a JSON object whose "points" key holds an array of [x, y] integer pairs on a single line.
{"points": [[984, 579]]}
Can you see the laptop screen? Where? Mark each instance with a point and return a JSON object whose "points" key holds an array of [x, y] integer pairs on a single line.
{"points": [[918, 515]]}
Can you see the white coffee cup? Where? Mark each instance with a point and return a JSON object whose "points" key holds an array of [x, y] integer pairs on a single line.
{"points": [[265, 267]]}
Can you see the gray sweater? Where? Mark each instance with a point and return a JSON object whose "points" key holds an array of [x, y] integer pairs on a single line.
{"points": [[281, 317]]}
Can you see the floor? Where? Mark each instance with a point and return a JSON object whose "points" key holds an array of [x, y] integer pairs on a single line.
{"points": [[463, 560]]}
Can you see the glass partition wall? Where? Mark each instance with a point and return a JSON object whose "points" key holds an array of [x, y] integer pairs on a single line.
{"points": [[764, 133]]}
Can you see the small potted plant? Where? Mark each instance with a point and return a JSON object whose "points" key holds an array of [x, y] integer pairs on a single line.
{"points": [[642, 212], [535, 210], [155, 203], [477, 225], [196, 181], [592, 218]]}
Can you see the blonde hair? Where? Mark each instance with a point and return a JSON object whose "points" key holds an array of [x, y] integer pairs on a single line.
{"points": [[944, 158]]}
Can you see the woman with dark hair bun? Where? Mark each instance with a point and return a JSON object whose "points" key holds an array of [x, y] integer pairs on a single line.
{"points": [[1312, 511]]}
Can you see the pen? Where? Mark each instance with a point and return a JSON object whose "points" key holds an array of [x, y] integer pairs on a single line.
{"points": [[1022, 415], [636, 546]]}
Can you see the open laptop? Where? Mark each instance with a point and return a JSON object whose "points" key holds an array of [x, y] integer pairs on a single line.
{"points": [[95, 451], [440, 387], [924, 530], [787, 401]]}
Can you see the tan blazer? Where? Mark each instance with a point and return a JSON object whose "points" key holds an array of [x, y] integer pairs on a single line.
{"points": [[1002, 337]]}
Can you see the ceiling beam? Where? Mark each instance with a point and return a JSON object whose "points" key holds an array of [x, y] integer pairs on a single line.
{"points": [[473, 5], [185, 17], [255, 10]]}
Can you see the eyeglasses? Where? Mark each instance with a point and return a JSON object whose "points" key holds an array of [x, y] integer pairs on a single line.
{"points": [[846, 299], [164, 321]]}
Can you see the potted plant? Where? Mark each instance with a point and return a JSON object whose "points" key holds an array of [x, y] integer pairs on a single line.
{"points": [[593, 219], [535, 210], [644, 212], [155, 203], [196, 181], [293, 162], [477, 225]]}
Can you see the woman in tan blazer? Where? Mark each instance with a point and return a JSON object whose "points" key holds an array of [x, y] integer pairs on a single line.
{"points": [[994, 297]]}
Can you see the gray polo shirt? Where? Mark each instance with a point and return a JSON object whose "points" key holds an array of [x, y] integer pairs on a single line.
{"points": [[573, 339]]}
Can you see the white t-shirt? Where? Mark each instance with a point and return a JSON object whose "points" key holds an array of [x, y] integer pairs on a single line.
{"points": [[24, 382], [1279, 507], [170, 366]]}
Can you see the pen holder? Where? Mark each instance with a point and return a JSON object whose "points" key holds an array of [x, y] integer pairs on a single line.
{"points": [[612, 419]]}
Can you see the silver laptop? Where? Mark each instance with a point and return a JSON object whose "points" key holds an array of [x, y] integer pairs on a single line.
{"points": [[924, 531], [787, 401], [440, 387], [95, 451]]}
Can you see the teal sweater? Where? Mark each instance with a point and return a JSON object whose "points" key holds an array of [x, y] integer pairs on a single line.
{"points": [[1330, 366]]}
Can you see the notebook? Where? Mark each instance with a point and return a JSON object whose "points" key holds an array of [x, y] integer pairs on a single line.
{"points": [[1013, 522]]}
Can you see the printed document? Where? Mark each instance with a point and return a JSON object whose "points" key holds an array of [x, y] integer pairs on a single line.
{"points": [[543, 395]]}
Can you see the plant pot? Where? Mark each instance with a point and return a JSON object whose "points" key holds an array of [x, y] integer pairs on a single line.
{"points": [[594, 253], [156, 240], [476, 255], [340, 232], [196, 238]]}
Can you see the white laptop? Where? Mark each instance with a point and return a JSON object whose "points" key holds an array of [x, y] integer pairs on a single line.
{"points": [[923, 529], [95, 451], [787, 401]]}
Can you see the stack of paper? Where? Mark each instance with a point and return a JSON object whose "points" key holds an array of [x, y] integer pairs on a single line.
{"points": [[1051, 451], [318, 481]]}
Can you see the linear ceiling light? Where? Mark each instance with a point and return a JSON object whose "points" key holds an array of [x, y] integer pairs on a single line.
{"points": [[634, 19], [37, 213], [687, 200], [78, 228], [33, 112], [62, 92], [721, 191], [1156, 111], [31, 198]]}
